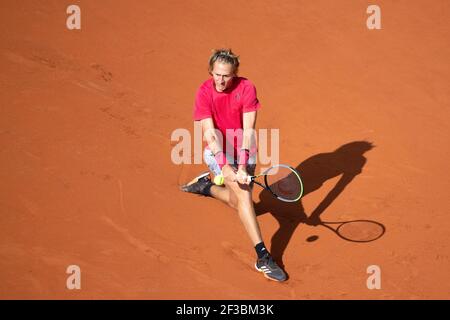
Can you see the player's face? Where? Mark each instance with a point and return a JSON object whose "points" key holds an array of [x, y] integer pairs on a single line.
{"points": [[223, 75]]}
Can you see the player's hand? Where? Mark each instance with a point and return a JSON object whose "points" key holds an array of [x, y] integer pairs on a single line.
{"points": [[229, 174], [242, 175]]}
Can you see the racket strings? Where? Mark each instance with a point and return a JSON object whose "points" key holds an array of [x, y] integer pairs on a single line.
{"points": [[284, 183]]}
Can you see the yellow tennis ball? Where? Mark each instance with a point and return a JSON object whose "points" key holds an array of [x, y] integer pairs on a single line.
{"points": [[218, 180]]}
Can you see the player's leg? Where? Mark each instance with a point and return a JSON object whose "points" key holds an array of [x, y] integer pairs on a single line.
{"points": [[241, 197], [264, 263], [222, 193]]}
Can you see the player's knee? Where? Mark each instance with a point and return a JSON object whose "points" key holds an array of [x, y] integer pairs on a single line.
{"points": [[243, 196]]}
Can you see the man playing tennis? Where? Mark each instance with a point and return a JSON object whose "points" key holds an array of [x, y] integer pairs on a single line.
{"points": [[227, 103]]}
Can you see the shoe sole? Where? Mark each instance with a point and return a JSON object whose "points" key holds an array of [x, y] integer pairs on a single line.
{"points": [[266, 276], [196, 179]]}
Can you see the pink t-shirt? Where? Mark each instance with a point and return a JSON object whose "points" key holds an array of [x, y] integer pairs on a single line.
{"points": [[226, 108]]}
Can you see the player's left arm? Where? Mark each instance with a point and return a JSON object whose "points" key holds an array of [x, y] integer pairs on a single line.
{"points": [[248, 143], [248, 136]]}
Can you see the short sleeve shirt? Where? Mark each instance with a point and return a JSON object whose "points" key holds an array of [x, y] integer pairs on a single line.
{"points": [[226, 108]]}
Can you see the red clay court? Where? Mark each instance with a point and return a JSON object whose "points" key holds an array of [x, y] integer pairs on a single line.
{"points": [[87, 178]]}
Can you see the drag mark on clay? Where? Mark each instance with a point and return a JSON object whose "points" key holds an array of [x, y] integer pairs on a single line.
{"points": [[122, 207], [242, 257], [104, 74], [135, 242]]}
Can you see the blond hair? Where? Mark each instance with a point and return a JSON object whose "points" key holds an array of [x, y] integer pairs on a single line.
{"points": [[225, 56]]}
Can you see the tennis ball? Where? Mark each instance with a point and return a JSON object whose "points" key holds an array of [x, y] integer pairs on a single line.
{"points": [[218, 180]]}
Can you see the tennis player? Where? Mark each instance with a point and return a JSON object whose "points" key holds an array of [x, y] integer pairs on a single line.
{"points": [[224, 104]]}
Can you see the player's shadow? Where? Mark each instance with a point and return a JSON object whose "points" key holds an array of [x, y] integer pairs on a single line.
{"points": [[347, 161]]}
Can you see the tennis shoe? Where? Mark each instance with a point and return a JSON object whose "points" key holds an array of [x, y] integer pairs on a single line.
{"points": [[199, 185], [270, 268]]}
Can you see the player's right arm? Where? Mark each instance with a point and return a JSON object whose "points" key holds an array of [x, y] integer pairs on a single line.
{"points": [[214, 139], [212, 135]]}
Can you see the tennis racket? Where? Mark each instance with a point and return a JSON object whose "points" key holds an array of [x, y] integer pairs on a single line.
{"points": [[355, 230], [282, 181]]}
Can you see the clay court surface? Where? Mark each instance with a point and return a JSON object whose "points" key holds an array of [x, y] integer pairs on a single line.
{"points": [[87, 178]]}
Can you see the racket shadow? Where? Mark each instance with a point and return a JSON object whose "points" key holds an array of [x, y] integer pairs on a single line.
{"points": [[359, 231], [347, 161]]}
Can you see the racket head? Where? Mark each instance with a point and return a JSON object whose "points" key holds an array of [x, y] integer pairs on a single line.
{"points": [[358, 230], [283, 182]]}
